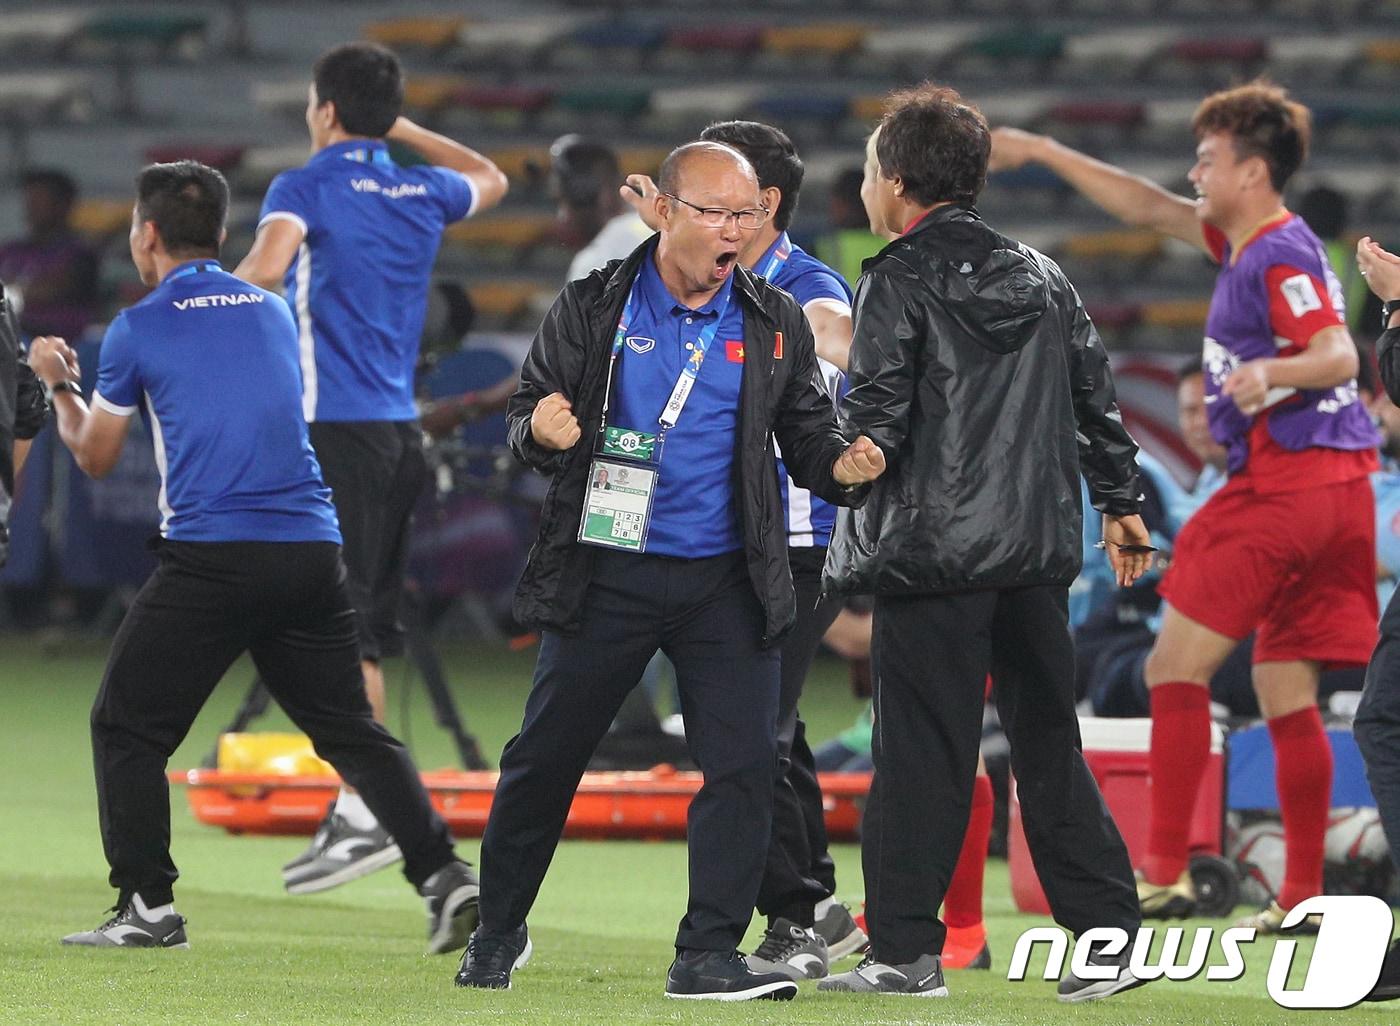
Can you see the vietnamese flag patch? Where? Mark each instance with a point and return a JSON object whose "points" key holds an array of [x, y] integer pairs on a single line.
{"points": [[777, 345], [734, 350]]}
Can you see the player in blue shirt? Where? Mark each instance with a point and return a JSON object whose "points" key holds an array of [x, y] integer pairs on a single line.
{"points": [[249, 560], [353, 236]]}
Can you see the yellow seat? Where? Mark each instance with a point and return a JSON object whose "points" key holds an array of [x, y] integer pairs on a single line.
{"points": [[1383, 51], [101, 218], [1176, 313], [830, 39], [433, 92], [504, 300], [868, 108], [1125, 244], [515, 232], [430, 33], [517, 161], [641, 160]]}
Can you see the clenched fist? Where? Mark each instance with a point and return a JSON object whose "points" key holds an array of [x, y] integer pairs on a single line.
{"points": [[553, 423], [862, 461]]}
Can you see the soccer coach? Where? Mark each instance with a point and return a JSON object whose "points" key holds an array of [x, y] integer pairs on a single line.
{"points": [[249, 560], [678, 365]]}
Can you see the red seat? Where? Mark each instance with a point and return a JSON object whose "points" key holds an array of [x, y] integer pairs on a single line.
{"points": [[1121, 114], [731, 38], [220, 156], [1211, 51], [1114, 316], [525, 99]]}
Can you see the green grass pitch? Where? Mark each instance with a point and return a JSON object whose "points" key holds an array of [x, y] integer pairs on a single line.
{"points": [[602, 927]]}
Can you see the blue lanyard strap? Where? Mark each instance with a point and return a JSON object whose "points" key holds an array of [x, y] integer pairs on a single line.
{"points": [[671, 412], [782, 249]]}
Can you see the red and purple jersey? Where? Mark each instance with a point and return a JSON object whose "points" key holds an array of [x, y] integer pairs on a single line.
{"points": [[1270, 300]]}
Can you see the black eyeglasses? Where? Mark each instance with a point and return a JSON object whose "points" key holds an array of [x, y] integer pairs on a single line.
{"points": [[718, 217]]}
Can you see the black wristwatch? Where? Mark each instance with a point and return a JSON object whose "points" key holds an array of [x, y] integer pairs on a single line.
{"points": [[63, 385], [1388, 307]]}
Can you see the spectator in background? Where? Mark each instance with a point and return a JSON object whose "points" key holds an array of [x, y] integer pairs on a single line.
{"points": [[584, 179], [22, 413], [52, 272], [850, 241], [1326, 212]]}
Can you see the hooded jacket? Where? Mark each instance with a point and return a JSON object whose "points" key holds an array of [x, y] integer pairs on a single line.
{"points": [[779, 395], [976, 369]]}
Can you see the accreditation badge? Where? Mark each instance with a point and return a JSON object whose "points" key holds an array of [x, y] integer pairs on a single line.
{"points": [[617, 508]]}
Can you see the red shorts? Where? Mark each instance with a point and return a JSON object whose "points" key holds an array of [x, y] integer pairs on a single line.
{"points": [[1298, 568]]}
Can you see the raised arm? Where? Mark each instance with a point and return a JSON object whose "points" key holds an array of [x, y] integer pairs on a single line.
{"points": [[1130, 198], [487, 179]]}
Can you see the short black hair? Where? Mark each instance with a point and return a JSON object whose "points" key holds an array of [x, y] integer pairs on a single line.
{"points": [[936, 143], [774, 160], [365, 83], [581, 168], [1325, 211], [188, 203], [59, 183]]}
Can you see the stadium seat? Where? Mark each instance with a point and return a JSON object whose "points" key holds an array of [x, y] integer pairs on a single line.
{"points": [[1114, 317], [1187, 314], [926, 45], [513, 42], [868, 109], [1124, 114], [1127, 244], [521, 164], [44, 31], [511, 234], [712, 39], [165, 31], [620, 34], [40, 98], [430, 94], [284, 97], [806, 41], [1314, 56], [101, 219], [1018, 45], [620, 102], [783, 108], [644, 160], [506, 303], [224, 157], [431, 33], [1383, 51], [522, 100], [1120, 52], [680, 109], [261, 164]]}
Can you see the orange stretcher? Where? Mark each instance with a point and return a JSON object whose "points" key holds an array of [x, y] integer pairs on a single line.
{"points": [[651, 804]]}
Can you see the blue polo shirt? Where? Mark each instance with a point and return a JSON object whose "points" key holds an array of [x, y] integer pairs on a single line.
{"points": [[809, 519], [693, 512], [359, 283], [211, 363]]}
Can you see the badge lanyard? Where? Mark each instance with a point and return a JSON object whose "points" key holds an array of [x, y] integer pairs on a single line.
{"points": [[782, 249]]}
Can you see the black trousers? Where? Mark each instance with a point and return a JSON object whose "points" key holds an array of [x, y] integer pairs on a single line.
{"points": [[206, 604], [376, 471], [930, 656], [799, 871], [1377, 726], [704, 615]]}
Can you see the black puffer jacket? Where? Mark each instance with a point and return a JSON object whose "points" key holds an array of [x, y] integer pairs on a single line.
{"points": [[777, 397], [977, 371], [23, 410]]}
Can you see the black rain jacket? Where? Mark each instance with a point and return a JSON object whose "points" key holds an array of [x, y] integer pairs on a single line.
{"points": [[779, 395], [977, 371]]}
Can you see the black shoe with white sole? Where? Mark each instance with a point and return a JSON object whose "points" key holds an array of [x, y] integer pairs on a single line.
{"points": [[1387, 988], [922, 977], [451, 894], [723, 976], [490, 958], [836, 926], [789, 949], [127, 929], [344, 853], [1074, 989]]}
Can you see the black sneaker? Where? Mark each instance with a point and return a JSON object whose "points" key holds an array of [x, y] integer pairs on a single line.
{"points": [[451, 895], [723, 976], [490, 958], [127, 929], [921, 978], [345, 853], [1387, 988], [317, 845], [836, 926], [1073, 989], [789, 949]]}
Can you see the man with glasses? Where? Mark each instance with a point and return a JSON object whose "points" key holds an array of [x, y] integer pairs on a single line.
{"points": [[678, 365]]}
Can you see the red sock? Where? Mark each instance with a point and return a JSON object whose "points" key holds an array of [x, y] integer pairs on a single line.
{"points": [[1180, 748], [962, 905], [1303, 775]]}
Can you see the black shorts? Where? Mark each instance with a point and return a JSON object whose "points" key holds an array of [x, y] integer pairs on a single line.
{"points": [[375, 471]]}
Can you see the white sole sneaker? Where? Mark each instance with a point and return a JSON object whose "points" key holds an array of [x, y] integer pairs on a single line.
{"points": [[784, 991], [352, 871], [460, 917]]}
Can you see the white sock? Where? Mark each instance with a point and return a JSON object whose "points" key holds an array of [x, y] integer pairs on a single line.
{"points": [[350, 807], [824, 905], [151, 915]]}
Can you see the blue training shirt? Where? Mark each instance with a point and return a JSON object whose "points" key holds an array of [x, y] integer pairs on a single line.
{"points": [[809, 519], [693, 513], [211, 362], [359, 283]]}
